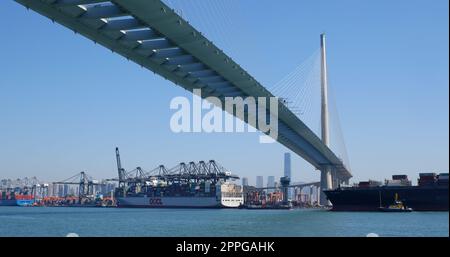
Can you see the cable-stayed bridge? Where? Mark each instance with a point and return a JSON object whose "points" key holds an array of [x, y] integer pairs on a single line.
{"points": [[151, 34]]}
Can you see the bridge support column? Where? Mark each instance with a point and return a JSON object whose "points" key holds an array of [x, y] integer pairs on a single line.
{"points": [[325, 184], [318, 190], [336, 179]]}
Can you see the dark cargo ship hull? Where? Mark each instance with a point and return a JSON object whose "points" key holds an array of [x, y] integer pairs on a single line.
{"points": [[8, 202], [433, 198]]}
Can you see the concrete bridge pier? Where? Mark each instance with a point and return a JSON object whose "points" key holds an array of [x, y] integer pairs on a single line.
{"points": [[326, 183]]}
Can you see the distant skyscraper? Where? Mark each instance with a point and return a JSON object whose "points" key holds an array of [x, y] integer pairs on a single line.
{"points": [[50, 190], [66, 190], [60, 190], [244, 181], [259, 181], [287, 171], [270, 183], [55, 191], [287, 165], [71, 191]]}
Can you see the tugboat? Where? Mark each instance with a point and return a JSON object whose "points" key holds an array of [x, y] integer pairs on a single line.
{"points": [[398, 206]]}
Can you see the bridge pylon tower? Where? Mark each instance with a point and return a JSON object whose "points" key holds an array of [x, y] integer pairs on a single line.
{"points": [[326, 179]]}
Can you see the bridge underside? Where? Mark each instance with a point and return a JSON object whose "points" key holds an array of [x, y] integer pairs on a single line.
{"points": [[152, 35]]}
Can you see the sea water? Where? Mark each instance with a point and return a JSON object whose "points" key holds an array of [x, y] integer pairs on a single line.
{"points": [[87, 222]]}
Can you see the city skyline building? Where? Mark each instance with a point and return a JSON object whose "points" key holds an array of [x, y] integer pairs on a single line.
{"points": [[259, 181], [270, 183], [244, 181], [288, 172]]}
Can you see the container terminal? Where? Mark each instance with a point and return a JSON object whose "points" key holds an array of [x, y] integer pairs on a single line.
{"points": [[209, 185], [79, 190], [187, 185]]}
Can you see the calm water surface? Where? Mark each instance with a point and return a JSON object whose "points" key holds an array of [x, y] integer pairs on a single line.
{"points": [[46, 221]]}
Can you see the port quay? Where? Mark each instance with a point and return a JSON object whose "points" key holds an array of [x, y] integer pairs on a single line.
{"points": [[211, 128]]}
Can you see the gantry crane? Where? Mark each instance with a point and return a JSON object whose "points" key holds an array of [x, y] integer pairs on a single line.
{"points": [[85, 184]]}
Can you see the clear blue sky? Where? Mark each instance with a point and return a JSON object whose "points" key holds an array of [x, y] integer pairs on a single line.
{"points": [[65, 103]]}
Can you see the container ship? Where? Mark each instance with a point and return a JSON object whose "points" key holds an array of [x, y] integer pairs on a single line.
{"points": [[8, 202], [202, 195], [193, 185], [431, 194], [13, 199]]}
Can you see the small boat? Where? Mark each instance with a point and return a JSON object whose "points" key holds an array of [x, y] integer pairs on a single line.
{"points": [[398, 206], [391, 209]]}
